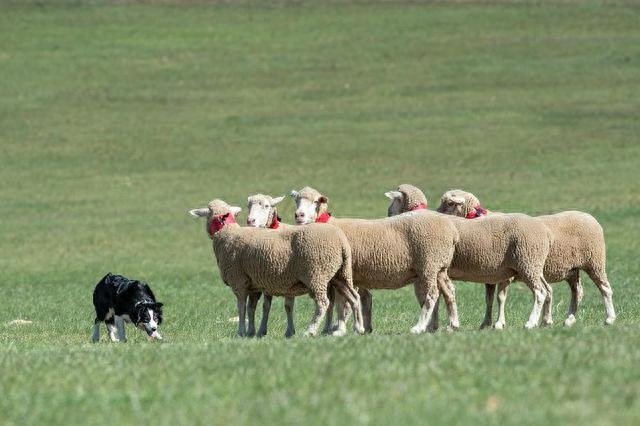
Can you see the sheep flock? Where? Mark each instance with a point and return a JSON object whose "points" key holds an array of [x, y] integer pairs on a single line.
{"points": [[339, 261]]}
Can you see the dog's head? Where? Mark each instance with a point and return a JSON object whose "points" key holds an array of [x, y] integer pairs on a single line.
{"points": [[148, 316]]}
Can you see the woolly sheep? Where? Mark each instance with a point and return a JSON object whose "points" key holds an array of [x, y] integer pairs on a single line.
{"points": [[288, 262], [390, 253], [263, 213], [578, 245], [497, 250]]}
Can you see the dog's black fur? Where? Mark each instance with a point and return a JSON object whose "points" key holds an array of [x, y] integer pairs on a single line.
{"points": [[117, 298]]}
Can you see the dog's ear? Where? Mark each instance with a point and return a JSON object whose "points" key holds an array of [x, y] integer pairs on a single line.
{"points": [[159, 305]]}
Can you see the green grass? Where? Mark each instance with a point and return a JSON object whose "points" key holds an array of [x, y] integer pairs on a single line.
{"points": [[115, 119]]}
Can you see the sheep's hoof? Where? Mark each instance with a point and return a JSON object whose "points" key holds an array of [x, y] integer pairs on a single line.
{"points": [[339, 332], [530, 325], [361, 330], [547, 322], [499, 326], [485, 325], [289, 334], [609, 321], [569, 321], [309, 333], [416, 329], [452, 327]]}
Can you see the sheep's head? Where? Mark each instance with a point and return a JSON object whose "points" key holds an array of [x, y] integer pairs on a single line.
{"points": [[218, 214], [262, 210], [457, 202], [406, 198], [310, 204]]}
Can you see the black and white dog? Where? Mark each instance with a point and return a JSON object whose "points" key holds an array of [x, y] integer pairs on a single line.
{"points": [[118, 299]]}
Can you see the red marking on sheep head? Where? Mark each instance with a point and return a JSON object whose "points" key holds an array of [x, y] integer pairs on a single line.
{"points": [[476, 212], [218, 222], [421, 206]]}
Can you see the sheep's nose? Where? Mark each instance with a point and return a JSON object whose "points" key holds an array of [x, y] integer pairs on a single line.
{"points": [[251, 221]]}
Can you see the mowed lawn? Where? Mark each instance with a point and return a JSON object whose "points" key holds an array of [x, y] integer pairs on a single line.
{"points": [[117, 118]]}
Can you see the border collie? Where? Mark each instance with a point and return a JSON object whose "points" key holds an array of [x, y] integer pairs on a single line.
{"points": [[118, 299]]}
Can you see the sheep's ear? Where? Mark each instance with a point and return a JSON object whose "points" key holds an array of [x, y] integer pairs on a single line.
{"points": [[323, 200], [392, 195], [235, 210], [294, 194], [277, 200], [204, 212]]}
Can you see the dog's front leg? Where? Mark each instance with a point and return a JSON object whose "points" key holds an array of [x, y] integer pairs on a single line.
{"points": [[120, 326]]}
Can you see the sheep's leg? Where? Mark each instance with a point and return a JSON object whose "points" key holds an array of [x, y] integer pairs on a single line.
{"points": [[600, 280], [352, 297], [540, 295], [322, 303], [547, 318], [503, 289], [266, 308], [241, 302], [426, 289], [420, 296], [288, 307], [576, 295], [254, 297], [489, 291], [328, 325], [342, 310], [435, 318], [366, 303], [448, 292]]}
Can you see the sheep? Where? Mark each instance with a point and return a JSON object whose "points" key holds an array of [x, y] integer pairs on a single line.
{"points": [[390, 253], [578, 245], [264, 214], [284, 262], [457, 202], [497, 250]]}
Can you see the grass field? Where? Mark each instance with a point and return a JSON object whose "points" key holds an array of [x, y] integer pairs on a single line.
{"points": [[116, 118]]}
